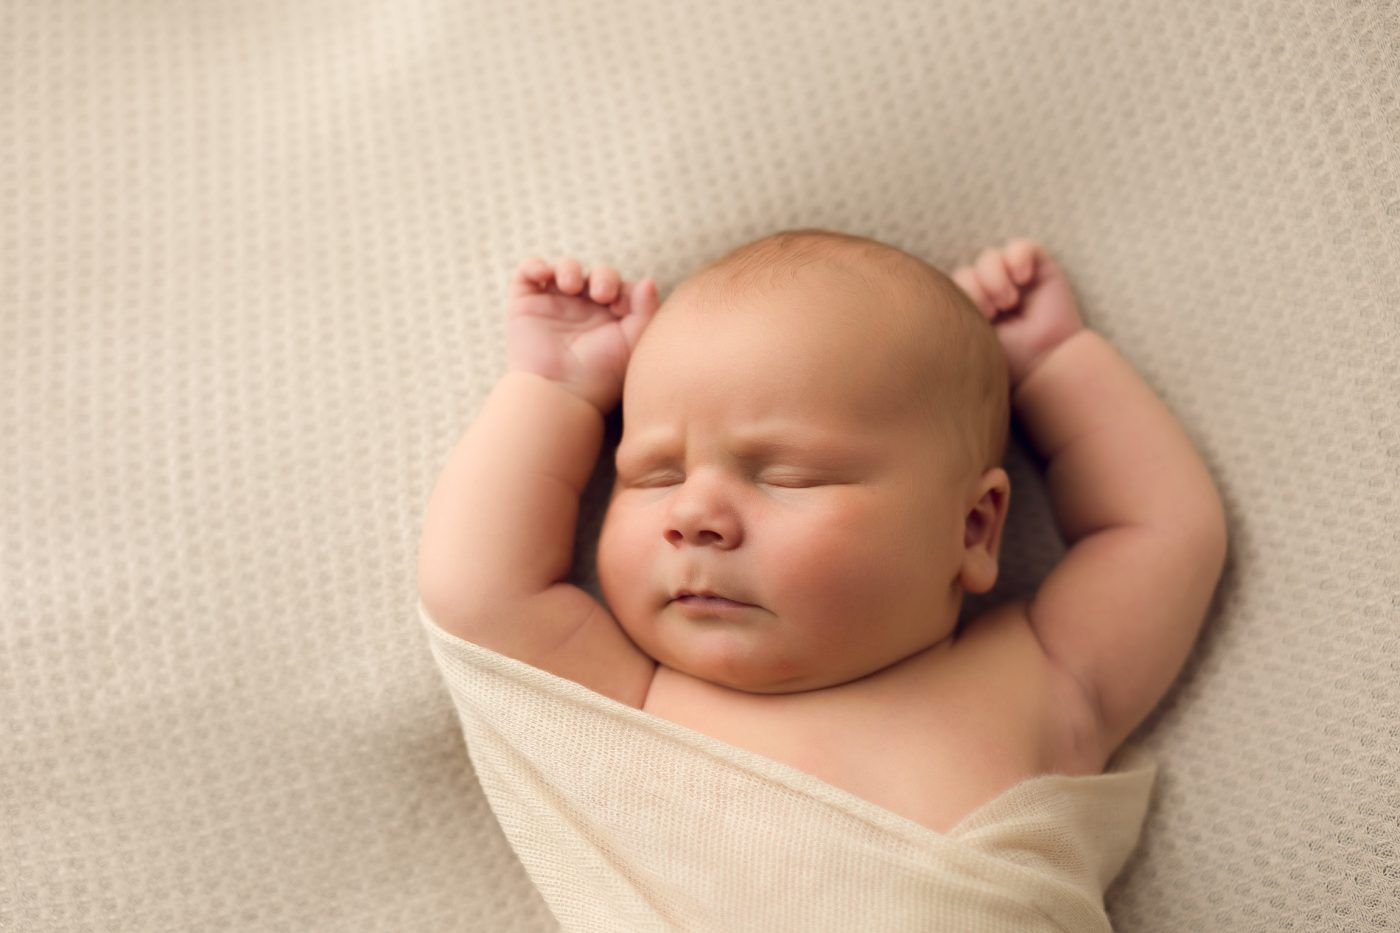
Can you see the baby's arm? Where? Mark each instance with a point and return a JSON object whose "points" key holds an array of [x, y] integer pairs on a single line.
{"points": [[499, 528], [1141, 515]]}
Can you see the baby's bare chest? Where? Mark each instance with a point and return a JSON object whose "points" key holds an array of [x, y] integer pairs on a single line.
{"points": [[930, 740]]}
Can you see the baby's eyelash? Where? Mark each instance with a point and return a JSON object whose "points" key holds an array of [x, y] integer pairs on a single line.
{"points": [[661, 480], [791, 482], [653, 479]]}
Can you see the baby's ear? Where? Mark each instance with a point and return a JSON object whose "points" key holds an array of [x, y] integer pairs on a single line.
{"points": [[990, 505], [982, 531]]}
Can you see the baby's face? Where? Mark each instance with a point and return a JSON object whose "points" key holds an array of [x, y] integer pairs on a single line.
{"points": [[768, 456]]}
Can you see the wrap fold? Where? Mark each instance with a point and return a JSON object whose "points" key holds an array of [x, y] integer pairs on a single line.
{"points": [[629, 822]]}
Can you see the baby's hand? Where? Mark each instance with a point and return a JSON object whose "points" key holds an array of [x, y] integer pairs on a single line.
{"points": [[1026, 297], [575, 329]]}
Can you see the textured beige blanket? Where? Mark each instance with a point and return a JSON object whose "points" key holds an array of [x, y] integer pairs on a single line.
{"points": [[252, 262], [628, 822]]}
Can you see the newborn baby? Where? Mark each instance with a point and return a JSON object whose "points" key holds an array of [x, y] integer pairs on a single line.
{"points": [[808, 481]]}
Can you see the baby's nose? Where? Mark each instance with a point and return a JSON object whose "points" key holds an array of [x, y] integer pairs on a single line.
{"points": [[701, 536], [702, 521]]}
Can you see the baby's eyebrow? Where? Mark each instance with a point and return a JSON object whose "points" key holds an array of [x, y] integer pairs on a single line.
{"points": [[778, 444]]}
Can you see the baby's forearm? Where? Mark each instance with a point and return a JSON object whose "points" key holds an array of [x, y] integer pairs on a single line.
{"points": [[500, 524], [1116, 455]]}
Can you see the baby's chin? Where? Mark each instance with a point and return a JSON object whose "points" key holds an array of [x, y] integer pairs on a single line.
{"points": [[752, 672], [751, 656]]}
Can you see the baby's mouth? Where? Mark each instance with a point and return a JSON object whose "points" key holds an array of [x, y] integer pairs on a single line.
{"points": [[706, 599]]}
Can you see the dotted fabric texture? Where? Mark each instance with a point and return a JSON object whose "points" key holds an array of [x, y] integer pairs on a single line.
{"points": [[253, 259]]}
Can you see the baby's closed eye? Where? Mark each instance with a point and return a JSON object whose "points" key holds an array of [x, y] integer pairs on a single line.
{"points": [[791, 480], [785, 479], [654, 482]]}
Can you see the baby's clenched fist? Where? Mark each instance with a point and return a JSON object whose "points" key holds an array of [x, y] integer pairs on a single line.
{"points": [[1025, 296], [574, 328]]}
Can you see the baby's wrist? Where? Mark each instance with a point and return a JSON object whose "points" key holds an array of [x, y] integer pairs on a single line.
{"points": [[562, 385], [1038, 361]]}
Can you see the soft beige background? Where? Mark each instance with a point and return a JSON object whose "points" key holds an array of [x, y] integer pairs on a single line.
{"points": [[252, 263]]}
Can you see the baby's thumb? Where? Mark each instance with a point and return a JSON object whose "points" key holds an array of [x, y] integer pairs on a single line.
{"points": [[642, 305]]}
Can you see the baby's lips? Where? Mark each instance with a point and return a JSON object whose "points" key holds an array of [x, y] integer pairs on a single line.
{"points": [[709, 594]]}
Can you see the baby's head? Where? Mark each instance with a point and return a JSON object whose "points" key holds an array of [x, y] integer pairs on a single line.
{"points": [[814, 425]]}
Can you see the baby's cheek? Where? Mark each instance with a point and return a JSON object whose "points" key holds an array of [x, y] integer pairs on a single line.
{"points": [[607, 555], [823, 566], [622, 567], [840, 568]]}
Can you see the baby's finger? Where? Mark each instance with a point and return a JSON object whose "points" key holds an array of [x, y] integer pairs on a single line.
{"points": [[531, 277], [967, 281], [603, 284], [641, 304], [568, 274], [991, 272], [1021, 257]]}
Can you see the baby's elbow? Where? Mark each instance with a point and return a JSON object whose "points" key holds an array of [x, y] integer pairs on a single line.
{"points": [[1215, 523], [1210, 535], [1197, 523], [432, 581], [443, 594]]}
